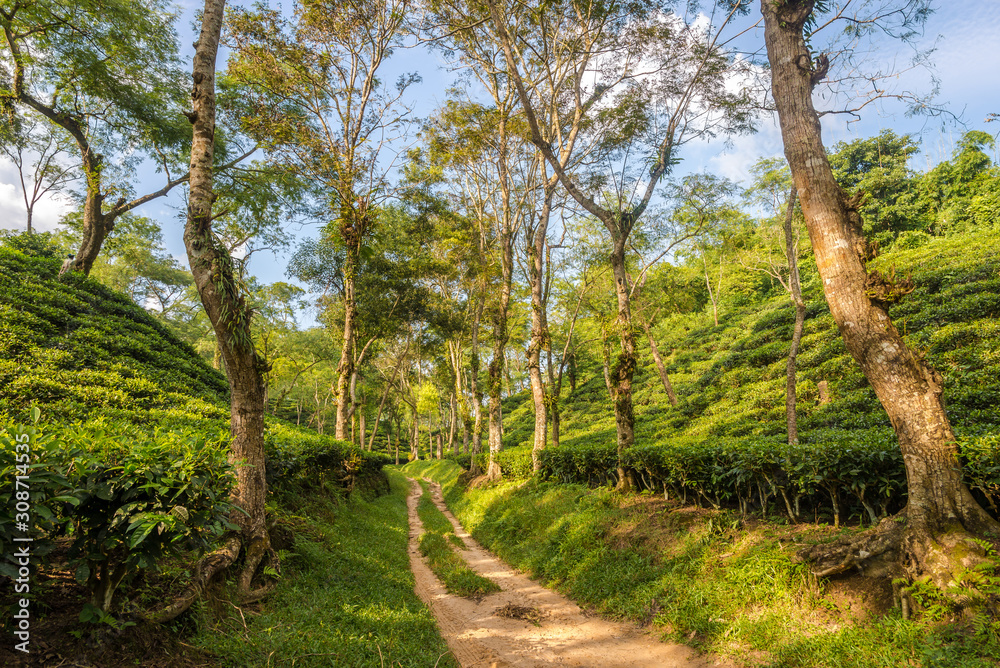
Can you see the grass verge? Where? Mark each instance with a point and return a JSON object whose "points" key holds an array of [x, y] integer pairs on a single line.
{"points": [[438, 544], [703, 577], [346, 597]]}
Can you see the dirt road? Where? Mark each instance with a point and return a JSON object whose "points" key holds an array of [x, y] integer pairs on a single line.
{"points": [[558, 632]]}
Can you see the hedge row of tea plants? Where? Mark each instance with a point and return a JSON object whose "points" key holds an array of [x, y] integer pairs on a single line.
{"points": [[298, 455], [840, 473], [128, 497]]}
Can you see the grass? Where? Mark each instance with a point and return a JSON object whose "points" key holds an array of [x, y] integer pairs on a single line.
{"points": [[701, 577], [347, 595], [438, 544]]}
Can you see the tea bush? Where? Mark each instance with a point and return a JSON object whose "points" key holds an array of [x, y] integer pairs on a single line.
{"points": [[126, 497]]}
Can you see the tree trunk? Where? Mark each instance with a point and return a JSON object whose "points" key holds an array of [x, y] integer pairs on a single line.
{"points": [[230, 317], [461, 409], [415, 439], [361, 429], [345, 369], [660, 369], [474, 385], [795, 290], [500, 333], [623, 369], [539, 327], [453, 425], [940, 512]]}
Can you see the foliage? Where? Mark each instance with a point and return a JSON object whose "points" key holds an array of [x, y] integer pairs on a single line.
{"points": [[75, 347], [296, 455], [126, 497]]}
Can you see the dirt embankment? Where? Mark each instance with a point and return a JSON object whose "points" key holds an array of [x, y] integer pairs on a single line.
{"points": [[526, 624]]}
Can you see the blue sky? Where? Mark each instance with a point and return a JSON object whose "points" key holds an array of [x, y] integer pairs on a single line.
{"points": [[965, 33]]}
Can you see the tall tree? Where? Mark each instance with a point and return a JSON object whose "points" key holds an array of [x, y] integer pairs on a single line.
{"points": [[39, 154], [228, 309], [936, 537], [637, 81], [771, 183], [490, 176], [314, 96], [106, 73]]}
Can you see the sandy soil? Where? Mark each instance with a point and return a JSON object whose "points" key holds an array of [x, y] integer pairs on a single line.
{"points": [[563, 636]]}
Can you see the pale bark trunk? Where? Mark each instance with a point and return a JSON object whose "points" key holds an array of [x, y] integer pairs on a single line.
{"points": [[500, 326], [415, 438], [660, 368], [539, 327], [795, 290], [938, 502], [474, 385], [452, 426]]}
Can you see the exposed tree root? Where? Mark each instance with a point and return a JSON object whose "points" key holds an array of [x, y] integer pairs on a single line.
{"points": [[205, 570], [898, 547], [213, 564]]}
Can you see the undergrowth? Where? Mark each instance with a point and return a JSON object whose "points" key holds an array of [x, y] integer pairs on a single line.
{"points": [[438, 544], [346, 597], [700, 576]]}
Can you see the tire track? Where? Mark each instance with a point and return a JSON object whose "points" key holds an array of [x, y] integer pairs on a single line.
{"points": [[565, 636]]}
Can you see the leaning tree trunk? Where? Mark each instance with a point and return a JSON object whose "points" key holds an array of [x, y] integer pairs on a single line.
{"points": [[795, 290], [229, 314], [936, 539], [623, 369], [660, 368]]}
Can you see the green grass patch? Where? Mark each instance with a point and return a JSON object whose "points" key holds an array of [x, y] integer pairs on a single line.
{"points": [[346, 597], [438, 544], [701, 576]]}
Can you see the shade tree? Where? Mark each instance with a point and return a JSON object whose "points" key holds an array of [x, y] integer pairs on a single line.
{"points": [[42, 156], [107, 77], [776, 254], [637, 81], [315, 100], [935, 537]]}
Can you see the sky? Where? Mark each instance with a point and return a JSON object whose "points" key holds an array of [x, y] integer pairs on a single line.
{"points": [[964, 33]]}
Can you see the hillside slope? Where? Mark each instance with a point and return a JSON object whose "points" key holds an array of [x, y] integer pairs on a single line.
{"points": [[73, 347], [731, 379]]}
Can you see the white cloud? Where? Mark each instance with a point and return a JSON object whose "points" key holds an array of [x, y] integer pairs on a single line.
{"points": [[47, 212]]}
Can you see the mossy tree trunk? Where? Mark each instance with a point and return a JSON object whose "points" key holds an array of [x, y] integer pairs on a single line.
{"points": [[230, 314]]}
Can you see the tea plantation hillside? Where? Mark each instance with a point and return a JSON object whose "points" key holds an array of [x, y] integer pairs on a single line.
{"points": [[129, 479], [73, 348], [730, 381]]}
